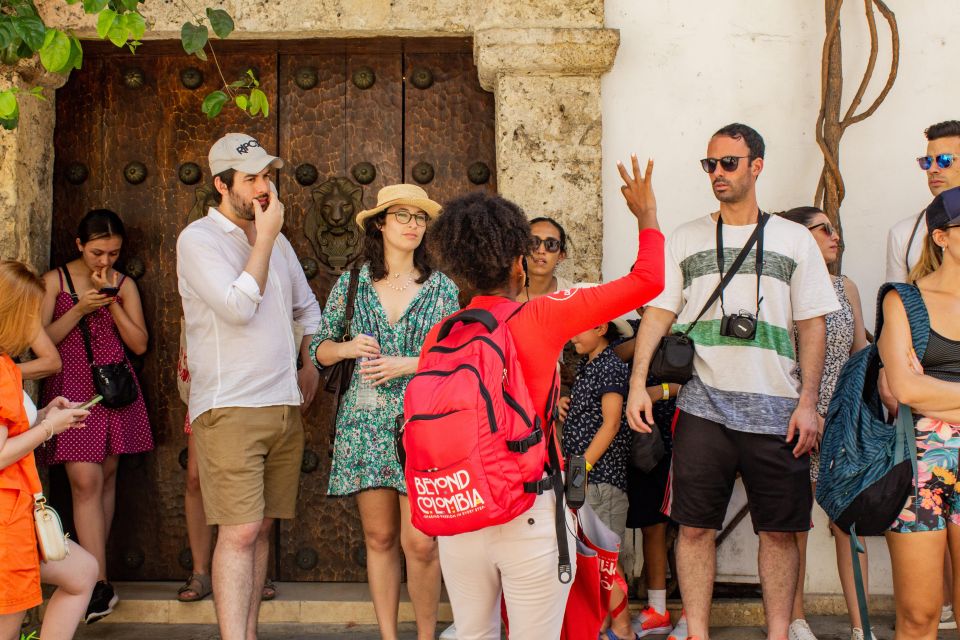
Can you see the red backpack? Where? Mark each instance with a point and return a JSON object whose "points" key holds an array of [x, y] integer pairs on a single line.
{"points": [[476, 451]]}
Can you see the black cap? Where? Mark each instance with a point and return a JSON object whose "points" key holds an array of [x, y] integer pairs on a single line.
{"points": [[944, 210]]}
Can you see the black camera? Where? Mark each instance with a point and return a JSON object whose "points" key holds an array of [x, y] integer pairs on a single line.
{"points": [[742, 325]]}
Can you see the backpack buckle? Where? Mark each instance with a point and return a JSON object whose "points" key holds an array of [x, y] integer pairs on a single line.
{"points": [[523, 445], [538, 487]]}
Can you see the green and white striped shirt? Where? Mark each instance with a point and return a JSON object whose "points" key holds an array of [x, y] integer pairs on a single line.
{"points": [[747, 385]]}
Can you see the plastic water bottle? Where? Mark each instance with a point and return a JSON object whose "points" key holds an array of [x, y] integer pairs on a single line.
{"points": [[366, 392]]}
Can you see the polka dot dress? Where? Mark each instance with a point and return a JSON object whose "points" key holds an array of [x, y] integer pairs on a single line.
{"points": [[109, 431]]}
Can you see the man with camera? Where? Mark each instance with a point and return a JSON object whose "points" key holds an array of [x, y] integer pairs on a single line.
{"points": [[243, 289], [743, 410]]}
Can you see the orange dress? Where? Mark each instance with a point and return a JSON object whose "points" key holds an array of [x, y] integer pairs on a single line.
{"points": [[19, 558]]}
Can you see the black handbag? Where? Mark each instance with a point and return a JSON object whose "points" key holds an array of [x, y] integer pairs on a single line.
{"points": [[336, 377], [114, 381], [673, 359]]}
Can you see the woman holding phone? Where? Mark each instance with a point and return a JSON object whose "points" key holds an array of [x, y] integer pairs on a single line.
{"points": [[21, 571], [87, 295]]}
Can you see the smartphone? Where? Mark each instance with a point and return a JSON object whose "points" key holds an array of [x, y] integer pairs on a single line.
{"points": [[89, 403], [110, 291]]}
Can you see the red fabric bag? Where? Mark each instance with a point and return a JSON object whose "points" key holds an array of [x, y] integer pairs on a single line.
{"points": [[589, 602]]}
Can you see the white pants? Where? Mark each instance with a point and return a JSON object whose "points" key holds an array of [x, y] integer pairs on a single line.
{"points": [[518, 558]]}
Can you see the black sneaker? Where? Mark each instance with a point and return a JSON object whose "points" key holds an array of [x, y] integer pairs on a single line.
{"points": [[102, 601]]}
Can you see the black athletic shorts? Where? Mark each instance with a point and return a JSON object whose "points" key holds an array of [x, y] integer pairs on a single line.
{"points": [[646, 492], [706, 458]]}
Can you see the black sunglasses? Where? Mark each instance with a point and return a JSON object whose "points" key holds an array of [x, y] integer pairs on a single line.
{"points": [[829, 228], [944, 160], [552, 245], [729, 163]]}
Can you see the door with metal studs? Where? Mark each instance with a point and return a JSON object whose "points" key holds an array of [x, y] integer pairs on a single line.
{"points": [[347, 118]]}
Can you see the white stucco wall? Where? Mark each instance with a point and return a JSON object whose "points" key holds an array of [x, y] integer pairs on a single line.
{"points": [[687, 67]]}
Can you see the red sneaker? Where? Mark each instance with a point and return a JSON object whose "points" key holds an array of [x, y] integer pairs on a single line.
{"points": [[650, 621]]}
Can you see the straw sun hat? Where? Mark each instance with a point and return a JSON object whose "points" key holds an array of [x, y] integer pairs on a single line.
{"points": [[394, 194]]}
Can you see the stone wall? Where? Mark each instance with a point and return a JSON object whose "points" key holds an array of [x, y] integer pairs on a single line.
{"points": [[26, 169], [542, 58]]}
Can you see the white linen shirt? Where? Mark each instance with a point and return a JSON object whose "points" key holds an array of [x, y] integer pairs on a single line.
{"points": [[240, 344]]}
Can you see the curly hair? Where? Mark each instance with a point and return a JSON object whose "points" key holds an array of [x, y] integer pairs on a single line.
{"points": [[373, 250], [478, 238]]}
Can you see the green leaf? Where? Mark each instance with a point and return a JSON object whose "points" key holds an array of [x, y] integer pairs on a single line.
{"points": [[37, 92], [238, 84], [253, 79], [135, 25], [7, 31], [221, 22], [72, 1], [55, 53], [213, 104], [76, 53], [193, 37], [117, 34], [105, 22], [130, 5], [8, 104], [242, 101], [94, 6], [31, 30], [259, 103]]}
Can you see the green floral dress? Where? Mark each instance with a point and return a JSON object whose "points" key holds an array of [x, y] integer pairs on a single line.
{"points": [[364, 455]]}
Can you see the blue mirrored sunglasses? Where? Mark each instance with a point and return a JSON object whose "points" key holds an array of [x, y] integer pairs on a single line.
{"points": [[944, 160]]}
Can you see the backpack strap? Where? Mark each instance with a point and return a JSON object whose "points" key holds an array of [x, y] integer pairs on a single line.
{"points": [[916, 313], [468, 316]]}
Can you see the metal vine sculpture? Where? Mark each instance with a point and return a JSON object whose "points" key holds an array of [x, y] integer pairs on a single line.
{"points": [[830, 125]]}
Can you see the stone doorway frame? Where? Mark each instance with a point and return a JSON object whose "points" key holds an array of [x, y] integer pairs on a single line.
{"points": [[542, 59]]}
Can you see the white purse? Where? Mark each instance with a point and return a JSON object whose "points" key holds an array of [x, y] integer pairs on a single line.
{"points": [[51, 540]]}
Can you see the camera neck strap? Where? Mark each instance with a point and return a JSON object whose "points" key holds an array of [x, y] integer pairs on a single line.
{"points": [[755, 238]]}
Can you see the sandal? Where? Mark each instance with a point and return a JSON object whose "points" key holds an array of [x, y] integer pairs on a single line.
{"points": [[197, 587], [269, 590]]}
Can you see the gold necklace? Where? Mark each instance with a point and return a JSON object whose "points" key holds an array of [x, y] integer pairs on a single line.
{"points": [[402, 288]]}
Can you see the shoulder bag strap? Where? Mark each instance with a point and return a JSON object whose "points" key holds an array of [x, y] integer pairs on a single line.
{"points": [[913, 234], [734, 268], [84, 329], [351, 303]]}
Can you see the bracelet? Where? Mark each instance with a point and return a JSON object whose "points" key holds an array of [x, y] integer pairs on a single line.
{"points": [[666, 390], [46, 428], [589, 467]]}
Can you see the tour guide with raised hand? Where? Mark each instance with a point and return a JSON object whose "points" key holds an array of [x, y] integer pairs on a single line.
{"points": [[743, 410], [483, 241], [242, 289]]}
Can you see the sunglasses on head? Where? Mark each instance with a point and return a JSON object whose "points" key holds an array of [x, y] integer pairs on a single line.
{"points": [[827, 227], [944, 160], [729, 163], [552, 245]]}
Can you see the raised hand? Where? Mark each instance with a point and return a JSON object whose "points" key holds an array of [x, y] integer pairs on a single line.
{"points": [[638, 192]]}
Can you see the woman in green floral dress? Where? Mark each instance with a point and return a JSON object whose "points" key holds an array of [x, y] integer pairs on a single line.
{"points": [[399, 298]]}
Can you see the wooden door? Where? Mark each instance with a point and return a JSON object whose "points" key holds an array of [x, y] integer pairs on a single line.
{"points": [[347, 118]]}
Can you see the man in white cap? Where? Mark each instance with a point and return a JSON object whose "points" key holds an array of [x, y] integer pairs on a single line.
{"points": [[243, 289]]}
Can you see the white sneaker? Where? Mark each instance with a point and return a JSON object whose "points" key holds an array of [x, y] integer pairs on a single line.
{"points": [[947, 620], [680, 631], [856, 633], [450, 633], [800, 630]]}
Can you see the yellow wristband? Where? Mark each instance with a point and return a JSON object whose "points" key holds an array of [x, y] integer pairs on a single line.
{"points": [[589, 467], [666, 391]]}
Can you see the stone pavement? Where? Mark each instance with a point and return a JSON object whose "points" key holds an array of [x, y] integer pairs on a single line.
{"points": [[826, 628]]}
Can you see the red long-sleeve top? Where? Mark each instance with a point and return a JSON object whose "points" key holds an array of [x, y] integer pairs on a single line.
{"points": [[544, 325]]}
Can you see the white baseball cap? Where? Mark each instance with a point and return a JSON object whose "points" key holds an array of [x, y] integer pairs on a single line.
{"points": [[241, 152]]}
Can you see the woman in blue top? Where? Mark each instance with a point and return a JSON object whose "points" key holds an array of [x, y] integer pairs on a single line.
{"points": [[399, 298]]}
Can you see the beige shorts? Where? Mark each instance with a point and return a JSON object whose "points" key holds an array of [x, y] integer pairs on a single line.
{"points": [[249, 460]]}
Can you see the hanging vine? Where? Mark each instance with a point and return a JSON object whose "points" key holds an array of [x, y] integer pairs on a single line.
{"points": [[830, 125]]}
